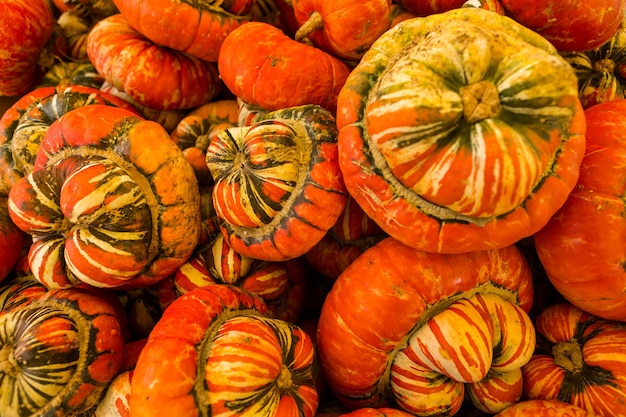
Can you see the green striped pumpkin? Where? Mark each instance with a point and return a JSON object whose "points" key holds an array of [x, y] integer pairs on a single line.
{"points": [[109, 204], [58, 353], [460, 131]]}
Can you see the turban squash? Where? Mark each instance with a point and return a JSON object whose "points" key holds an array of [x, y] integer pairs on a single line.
{"points": [[388, 329], [460, 131], [108, 204]]}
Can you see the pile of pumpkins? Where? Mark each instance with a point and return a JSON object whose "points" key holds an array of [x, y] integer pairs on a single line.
{"points": [[312, 208]]}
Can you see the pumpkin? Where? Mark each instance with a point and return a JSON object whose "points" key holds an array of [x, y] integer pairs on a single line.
{"points": [[108, 204], [215, 352], [571, 25], [352, 233], [281, 285], [278, 188], [25, 123], [154, 76], [194, 132], [601, 71], [544, 408], [579, 359], [75, 28], [493, 5], [582, 246], [377, 412], [198, 29], [58, 353], [12, 240], [115, 402], [460, 131], [27, 27], [262, 66], [427, 7], [343, 28], [458, 322], [68, 73]]}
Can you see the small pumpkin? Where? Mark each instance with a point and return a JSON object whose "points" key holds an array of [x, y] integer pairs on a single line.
{"points": [[582, 247], [343, 28], [262, 66], [108, 204], [58, 353], [154, 76], [458, 323], [215, 352], [67, 73], [580, 359], [569, 25], [460, 131], [278, 188], [544, 408]]}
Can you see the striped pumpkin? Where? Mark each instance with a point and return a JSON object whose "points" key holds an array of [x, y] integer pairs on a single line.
{"points": [[109, 204], [58, 353], [580, 359], [216, 353], [457, 324], [460, 131], [278, 188], [25, 123]]}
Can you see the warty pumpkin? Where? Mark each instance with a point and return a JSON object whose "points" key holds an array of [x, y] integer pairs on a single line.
{"points": [[415, 330], [582, 248], [580, 359], [460, 131], [109, 204], [263, 66], [154, 76], [278, 188], [216, 353], [58, 353]]}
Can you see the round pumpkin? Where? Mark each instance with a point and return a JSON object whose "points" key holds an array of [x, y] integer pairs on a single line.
{"points": [[582, 247], [26, 27], [58, 353], [154, 76], [460, 131], [580, 359], [109, 204], [278, 188], [544, 408], [414, 330], [215, 352]]}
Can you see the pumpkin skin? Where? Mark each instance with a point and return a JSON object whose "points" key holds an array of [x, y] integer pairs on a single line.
{"points": [[26, 28], [434, 171], [580, 360], [215, 344], [198, 29], [343, 28], [278, 188], [364, 346], [544, 408], [423, 8], [108, 204], [25, 123], [601, 71], [154, 76], [570, 25], [68, 345], [12, 240], [248, 65], [582, 246]]}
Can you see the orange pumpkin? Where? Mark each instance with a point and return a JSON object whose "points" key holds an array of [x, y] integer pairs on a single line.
{"points": [[544, 408], [12, 240], [582, 247]]}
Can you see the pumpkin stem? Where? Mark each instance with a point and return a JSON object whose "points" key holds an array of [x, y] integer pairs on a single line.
{"points": [[568, 355], [605, 66], [480, 101], [8, 366], [315, 22], [284, 381]]}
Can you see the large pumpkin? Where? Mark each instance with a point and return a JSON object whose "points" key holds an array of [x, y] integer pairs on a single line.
{"points": [[58, 353], [460, 131], [580, 359], [26, 28], [582, 248], [215, 353], [109, 204], [278, 188], [419, 330]]}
